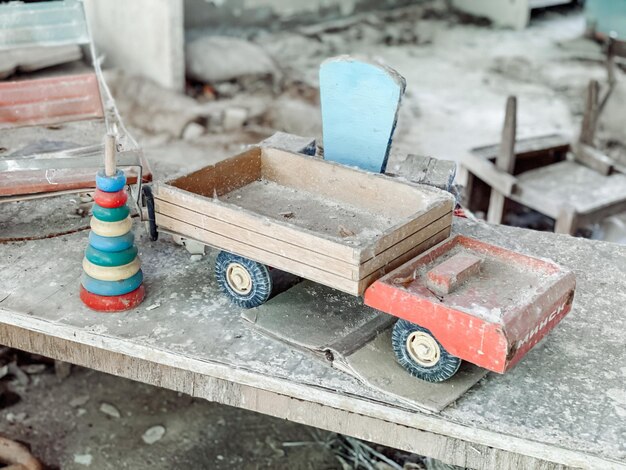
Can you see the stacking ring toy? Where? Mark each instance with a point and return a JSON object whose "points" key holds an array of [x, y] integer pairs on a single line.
{"points": [[107, 258], [112, 277], [106, 214], [110, 289], [111, 273], [112, 244], [111, 229], [110, 184], [117, 303], [110, 200]]}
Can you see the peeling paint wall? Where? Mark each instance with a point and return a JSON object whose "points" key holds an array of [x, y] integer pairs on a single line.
{"points": [[223, 14]]}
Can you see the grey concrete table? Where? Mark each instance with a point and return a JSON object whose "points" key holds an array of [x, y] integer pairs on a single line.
{"points": [[564, 405]]}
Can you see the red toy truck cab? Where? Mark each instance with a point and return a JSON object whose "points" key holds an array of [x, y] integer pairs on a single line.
{"points": [[466, 299]]}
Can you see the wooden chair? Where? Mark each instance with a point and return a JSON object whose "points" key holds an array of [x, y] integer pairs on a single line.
{"points": [[573, 192]]}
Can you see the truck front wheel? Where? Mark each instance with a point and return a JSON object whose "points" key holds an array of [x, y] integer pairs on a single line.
{"points": [[419, 352]]}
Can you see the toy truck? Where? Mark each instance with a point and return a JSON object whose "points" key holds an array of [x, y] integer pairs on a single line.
{"points": [[369, 235]]}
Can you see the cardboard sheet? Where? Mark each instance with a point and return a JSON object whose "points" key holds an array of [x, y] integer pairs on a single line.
{"points": [[339, 329]]}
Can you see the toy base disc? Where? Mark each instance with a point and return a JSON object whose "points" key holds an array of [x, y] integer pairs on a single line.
{"points": [[117, 303]]}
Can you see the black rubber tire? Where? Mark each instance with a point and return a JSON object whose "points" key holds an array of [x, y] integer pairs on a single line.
{"points": [[148, 201], [446, 367], [259, 273]]}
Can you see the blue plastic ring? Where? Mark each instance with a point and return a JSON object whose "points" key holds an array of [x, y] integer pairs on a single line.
{"points": [[111, 288], [111, 244], [106, 214], [110, 258], [110, 184]]}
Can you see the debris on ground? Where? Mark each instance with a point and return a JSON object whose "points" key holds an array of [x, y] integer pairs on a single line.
{"points": [[109, 410], [153, 434], [83, 459], [17, 456], [218, 59], [79, 401]]}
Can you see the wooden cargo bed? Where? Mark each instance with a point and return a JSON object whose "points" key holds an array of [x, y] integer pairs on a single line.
{"points": [[335, 225]]}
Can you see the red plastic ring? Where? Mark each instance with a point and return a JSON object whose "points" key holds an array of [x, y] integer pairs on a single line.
{"points": [[110, 200], [116, 303]]}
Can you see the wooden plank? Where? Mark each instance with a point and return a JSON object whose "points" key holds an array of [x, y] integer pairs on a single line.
{"points": [[505, 160], [49, 100], [487, 171], [224, 176], [432, 436], [593, 158], [406, 245], [528, 148], [266, 242], [419, 205], [409, 255], [407, 230], [29, 184], [155, 347], [249, 221], [258, 254], [360, 102], [370, 191], [590, 116], [567, 221]]}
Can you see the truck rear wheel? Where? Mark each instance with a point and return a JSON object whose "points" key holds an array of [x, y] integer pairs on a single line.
{"points": [[419, 352], [246, 282]]}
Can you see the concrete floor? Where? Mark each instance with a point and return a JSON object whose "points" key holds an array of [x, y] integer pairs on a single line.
{"points": [[63, 423]]}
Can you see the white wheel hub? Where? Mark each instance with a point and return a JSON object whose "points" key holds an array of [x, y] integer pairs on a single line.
{"points": [[423, 349], [239, 278]]}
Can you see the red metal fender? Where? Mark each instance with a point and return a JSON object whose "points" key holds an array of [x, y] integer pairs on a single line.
{"points": [[473, 322]]}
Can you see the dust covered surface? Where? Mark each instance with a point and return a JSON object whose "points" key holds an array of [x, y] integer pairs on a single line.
{"points": [[303, 209], [499, 286], [564, 392], [570, 389]]}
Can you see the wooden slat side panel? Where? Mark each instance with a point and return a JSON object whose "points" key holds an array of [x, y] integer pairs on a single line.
{"points": [[407, 245], [248, 221], [223, 177], [378, 193], [385, 242], [425, 245], [258, 254], [268, 243], [49, 100]]}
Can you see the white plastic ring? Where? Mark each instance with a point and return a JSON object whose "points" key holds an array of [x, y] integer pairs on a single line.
{"points": [[111, 273], [111, 229]]}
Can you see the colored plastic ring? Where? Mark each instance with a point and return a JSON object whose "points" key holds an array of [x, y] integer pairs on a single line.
{"points": [[107, 258], [108, 288], [106, 214], [116, 303], [110, 200], [112, 244], [111, 229], [110, 184], [111, 273]]}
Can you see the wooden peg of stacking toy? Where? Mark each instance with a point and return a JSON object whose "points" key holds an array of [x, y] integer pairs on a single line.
{"points": [[112, 279]]}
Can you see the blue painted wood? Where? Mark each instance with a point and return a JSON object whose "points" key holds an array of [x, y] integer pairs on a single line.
{"points": [[360, 103], [608, 16], [42, 24]]}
